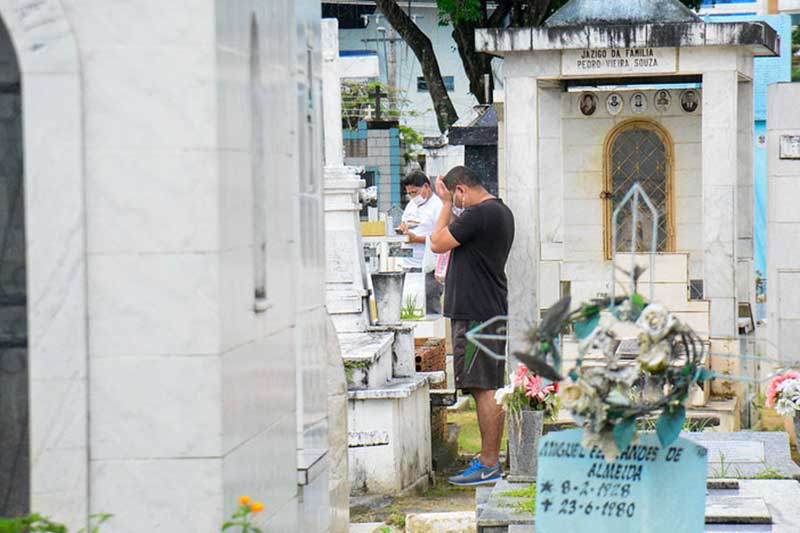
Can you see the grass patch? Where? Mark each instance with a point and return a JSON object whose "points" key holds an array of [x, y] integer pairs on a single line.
{"points": [[527, 499], [469, 436]]}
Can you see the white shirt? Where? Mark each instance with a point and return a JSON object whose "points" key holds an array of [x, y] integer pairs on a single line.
{"points": [[420, 221]]}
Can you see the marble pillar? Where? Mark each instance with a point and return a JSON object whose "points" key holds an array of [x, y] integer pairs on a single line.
{"points": [[720, 175], [783, 226], [745, 277], [341, 211], [346, 280], [551, 196], [523, 163]]}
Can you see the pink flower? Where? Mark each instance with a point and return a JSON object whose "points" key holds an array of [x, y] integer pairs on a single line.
{"points": [[537, 389], [521, 377], [772, 391]]}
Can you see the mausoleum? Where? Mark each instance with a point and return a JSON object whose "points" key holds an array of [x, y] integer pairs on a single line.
{"points": [[607, 94], [163, 332]]}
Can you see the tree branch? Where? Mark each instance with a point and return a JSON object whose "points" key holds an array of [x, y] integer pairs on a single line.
{"points": [[499, 14], [421, 45]]}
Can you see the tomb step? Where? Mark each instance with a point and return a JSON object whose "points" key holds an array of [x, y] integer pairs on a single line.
{"points": [[669, 267], [392, 390], [737, 510], [367, 359]]}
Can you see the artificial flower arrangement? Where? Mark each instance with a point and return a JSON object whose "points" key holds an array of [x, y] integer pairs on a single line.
{"points": [[527, 391], [602, 394], [784, 393]]}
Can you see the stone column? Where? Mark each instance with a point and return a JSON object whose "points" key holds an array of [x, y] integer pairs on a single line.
{"points": [[783, 226], [745, 279], [346, 281], [522, 156], [331, 95], [720, 174], [551, 196]]}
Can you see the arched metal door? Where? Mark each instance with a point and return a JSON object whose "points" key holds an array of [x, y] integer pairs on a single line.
{"points": [[639, 151]]}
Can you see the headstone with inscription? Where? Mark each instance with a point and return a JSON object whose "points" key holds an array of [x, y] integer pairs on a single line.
{"points": [[647, 488]]}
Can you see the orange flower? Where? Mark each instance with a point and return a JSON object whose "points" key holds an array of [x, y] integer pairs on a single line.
{"points": [[257, 507], [244, 500]]}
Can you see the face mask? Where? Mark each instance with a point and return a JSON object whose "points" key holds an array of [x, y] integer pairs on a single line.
{"points": [[419, 201], [458, 210]]}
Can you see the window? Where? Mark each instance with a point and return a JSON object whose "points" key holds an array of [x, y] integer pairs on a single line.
{"points": [[639, 151], [449, 84], [695, 289], [259, 191]]}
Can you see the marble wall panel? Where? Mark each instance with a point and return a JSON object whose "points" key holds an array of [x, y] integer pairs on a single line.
{"points": [[167, 305], [275, 463], [155, 407], [155, 201], [783, 206], [583, 185], [129, 86], [159, 494], [549, 283], [108, 23]]}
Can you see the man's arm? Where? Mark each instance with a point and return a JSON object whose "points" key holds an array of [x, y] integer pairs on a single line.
{"points": [[441, 239]]}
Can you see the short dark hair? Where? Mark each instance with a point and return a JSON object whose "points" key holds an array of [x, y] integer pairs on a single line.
{"points": [[415, 178], [462, 176]]}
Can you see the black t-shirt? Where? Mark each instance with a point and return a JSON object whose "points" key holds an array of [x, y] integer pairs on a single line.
{"points": [[476, 286]]}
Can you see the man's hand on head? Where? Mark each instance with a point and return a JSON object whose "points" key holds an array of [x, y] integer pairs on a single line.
{"points": [[442, 192]]}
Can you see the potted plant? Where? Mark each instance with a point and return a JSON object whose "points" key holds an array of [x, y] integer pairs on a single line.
{"points": [[783, 394], [528, 400]]}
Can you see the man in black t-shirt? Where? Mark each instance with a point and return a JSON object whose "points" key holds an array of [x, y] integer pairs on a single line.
{"points": [[477, 229]]}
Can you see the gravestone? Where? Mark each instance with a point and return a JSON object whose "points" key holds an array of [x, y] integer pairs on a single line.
{"points": [[577, 490], [14, 454], [747, 454]]}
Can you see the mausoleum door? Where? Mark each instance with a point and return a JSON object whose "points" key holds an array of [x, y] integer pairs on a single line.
{"points": [[639, 151], [14, 418]]}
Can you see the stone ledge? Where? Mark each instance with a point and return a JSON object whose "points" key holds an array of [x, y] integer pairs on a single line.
{"points": [[395, 389], [759, 36], [364, 347]]}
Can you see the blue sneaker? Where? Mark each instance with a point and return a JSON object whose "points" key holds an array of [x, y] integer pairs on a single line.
{"points": [[478, 474]]}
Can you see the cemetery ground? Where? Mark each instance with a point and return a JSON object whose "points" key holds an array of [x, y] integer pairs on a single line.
{"points": [[441, 496], [384, 514]]}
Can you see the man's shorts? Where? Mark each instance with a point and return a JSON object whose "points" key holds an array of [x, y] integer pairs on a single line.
{"points": [[473, 367]]}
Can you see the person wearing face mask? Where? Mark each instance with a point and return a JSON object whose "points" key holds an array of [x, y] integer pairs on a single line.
{"points": [[419, 217], [477, 229]]}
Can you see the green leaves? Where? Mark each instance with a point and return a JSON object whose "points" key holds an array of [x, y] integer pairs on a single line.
{"points": [[455, 11], [669, 424], [624, 432], [703, 374], [585, 327], [33, 523]]}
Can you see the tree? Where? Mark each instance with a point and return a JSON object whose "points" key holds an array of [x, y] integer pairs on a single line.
{"points": [[464, 16]]}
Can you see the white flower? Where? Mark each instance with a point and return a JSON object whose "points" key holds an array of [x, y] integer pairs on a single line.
{"points": [[501, 396], [785, 407], [656, 321], [655, 359]]}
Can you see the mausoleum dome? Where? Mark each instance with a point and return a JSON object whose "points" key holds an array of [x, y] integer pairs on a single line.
{"points": [[617, 12]]}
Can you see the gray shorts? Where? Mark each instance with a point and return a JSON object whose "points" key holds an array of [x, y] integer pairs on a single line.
{"points": [[474, 369]]}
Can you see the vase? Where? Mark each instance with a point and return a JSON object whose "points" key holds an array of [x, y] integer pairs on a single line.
{"points": [[524, 431], [797, 429], [388, 289]]}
